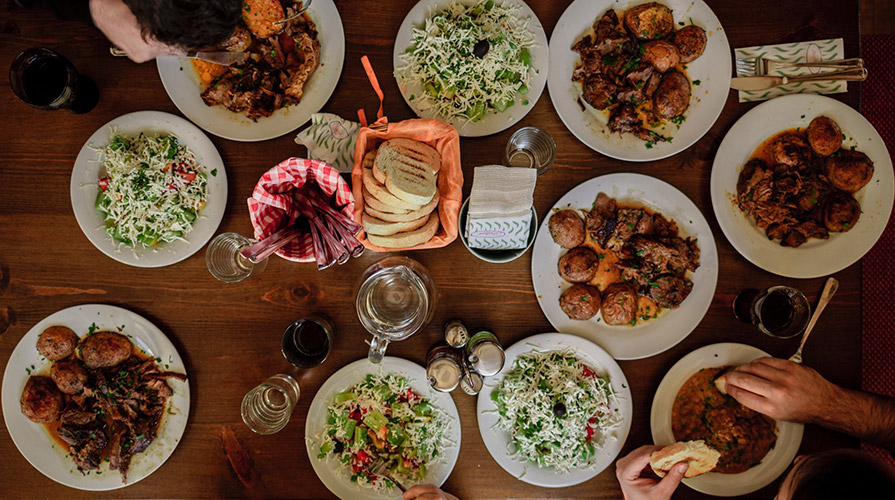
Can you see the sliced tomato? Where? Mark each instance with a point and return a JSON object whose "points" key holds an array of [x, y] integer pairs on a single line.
{"points": [[590, 428], [189, 177], [587, 372], [104, 183]]}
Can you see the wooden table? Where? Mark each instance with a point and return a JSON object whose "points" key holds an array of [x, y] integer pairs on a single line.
{"points": [[229, 335]]}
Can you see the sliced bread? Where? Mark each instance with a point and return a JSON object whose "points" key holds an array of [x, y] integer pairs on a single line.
{"points": [[374, 203], [382, 193], [406, 216], [369, 159], [379, 227], [413, 154], [698, 456], [411, 186], [409, 238]]}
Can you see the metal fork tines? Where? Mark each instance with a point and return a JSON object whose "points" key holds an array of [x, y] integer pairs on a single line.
{"points": [[760, 66], [379, 467]]}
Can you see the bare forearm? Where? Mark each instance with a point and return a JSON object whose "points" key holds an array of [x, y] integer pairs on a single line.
{"points": [[869, 417]]}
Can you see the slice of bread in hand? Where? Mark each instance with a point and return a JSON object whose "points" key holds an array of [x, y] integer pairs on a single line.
{"points": [[721, 384], [379, 227], [381, 193], [403, 217], [700, 457], [410, 238], [409, 169]]}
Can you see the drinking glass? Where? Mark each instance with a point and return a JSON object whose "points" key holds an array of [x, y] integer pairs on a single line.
{"points": [[780, 311], [266, 409], [307, 342], [44, 79], [224, 261], [394, 298], [531, 147]]}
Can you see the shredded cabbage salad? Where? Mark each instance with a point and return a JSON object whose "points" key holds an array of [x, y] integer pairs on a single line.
{"points": [[557, 410], [469, 60], [152, 190], [383, 418]]}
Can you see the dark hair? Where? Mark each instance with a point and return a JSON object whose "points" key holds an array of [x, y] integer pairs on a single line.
{"points": [[838, 474], [188, 24]]}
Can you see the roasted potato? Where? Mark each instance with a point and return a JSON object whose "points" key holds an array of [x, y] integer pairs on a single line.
{"points": [[105, 349], [260, 16], [649, 21], [41, 400], [57, 342]]}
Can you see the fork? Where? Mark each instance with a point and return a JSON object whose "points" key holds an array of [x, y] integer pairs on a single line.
{"points": [[304, 6], [829, 289], [760, 66], [379, 468]]}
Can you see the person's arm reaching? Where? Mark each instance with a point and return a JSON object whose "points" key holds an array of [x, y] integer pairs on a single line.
{"points": [[120, 26], [789, 391], [637, 486]]}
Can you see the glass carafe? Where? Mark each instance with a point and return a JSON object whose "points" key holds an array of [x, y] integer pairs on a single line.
{"points": [[394, 298]]}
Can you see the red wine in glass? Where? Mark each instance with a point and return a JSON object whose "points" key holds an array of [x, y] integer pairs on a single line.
{"points": [[44, 79]]}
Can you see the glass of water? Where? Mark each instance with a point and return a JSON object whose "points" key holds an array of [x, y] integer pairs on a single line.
{"points": [[266, 409], [531, 147], [224, 261], [394, 298]]}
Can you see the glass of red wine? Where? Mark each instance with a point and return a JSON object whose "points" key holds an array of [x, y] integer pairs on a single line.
{"points": [[780, 311], [307, 342], [44, 79]]}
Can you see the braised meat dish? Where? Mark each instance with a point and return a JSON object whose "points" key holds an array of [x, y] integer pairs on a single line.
{"points": [[104, 401], [701, 411], [800, 184], [631, 264], [633, 66], [279, 61]]}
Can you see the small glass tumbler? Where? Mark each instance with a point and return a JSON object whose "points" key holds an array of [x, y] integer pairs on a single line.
{"points": [[308, 341], [780, 311], [45, 79], [266, 409], [531, 147], [224, 261]]}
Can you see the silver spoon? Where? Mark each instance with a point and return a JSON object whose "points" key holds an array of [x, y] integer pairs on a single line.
{"points": [[829, 289]]}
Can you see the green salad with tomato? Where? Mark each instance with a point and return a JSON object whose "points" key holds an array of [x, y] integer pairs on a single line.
{"points": [[557, 410], [383, 419], [151, 189]]}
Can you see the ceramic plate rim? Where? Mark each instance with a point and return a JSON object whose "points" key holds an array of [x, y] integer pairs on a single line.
{"points": [[349, 375], [790, 434], [182, 87], [145, 335], [629, 345], [713, 68], [817, 257], [492, 123], [84, 175]]}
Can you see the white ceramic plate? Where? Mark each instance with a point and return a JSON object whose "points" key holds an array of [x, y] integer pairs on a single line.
{"points": [[329, 470], [184, 89], [645, 338], [712, 69], [492, 122], [85, 175], [35, 442], [497, 441], [816, 257], [789, 435]]}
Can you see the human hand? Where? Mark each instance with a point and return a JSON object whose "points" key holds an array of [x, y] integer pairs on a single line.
{"points": [[427, 492], [782, 390], [629, 471], [120, 26]]}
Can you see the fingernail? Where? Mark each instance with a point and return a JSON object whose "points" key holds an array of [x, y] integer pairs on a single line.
{"points": [[683, 467]]}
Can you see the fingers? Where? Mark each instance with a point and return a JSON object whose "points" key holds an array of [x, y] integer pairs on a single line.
{"points": [[670, 482], [417, 491], [630, 467], [750, 399], [752, 382]]}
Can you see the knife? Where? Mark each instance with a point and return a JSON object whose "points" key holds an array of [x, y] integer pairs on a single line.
{"points": [[222, 58], [767, 82]]}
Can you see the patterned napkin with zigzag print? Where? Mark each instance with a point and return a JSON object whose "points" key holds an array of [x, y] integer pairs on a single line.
{"points": [[500, 207], [818, 50]]}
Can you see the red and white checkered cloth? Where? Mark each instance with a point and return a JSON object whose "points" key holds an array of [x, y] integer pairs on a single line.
{"points": [[272, 205]]}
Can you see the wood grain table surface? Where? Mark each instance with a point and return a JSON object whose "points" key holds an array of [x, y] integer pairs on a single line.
{"points": [[229, 334]]}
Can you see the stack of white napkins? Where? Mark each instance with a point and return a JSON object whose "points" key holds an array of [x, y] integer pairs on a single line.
{"points": [[500, 207]]}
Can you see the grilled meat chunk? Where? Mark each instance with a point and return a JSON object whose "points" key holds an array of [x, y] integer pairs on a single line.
{"points": [[791, 150], [669, 291], [624, 120], [599, 91]]}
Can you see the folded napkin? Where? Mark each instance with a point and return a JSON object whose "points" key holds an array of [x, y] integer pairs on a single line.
{"points": [[330, 138], [818, 50], [499, 216]]}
